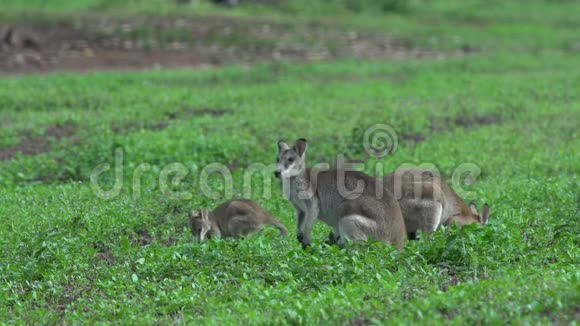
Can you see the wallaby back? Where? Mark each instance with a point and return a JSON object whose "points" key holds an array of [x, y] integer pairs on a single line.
{"points": [[252, 212], [238, 217], [427, 201]]}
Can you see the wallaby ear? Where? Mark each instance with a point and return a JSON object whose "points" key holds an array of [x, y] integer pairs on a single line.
{"points": [[204, 214], [473, 208], [300, 146], [485, 212], [282, 146]]}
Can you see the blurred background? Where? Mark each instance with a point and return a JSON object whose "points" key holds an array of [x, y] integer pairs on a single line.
{"points": [[42, 35], [466, 85]]}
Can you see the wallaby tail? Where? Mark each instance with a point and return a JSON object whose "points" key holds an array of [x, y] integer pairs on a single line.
{"points": [[283, 230]]}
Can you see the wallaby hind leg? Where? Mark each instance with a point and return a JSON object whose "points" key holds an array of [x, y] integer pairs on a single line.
{"points": [[424, 215], [283, 230], [433, 212], [242, 225], [355, 228]]}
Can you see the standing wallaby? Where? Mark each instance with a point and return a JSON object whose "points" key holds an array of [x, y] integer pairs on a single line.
{"points": [[328, 194], [233, 218], [427, 202]]}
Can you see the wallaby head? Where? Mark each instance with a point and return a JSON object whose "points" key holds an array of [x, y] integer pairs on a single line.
{"points": [[474, 215], [291, 161], [200, 224]]}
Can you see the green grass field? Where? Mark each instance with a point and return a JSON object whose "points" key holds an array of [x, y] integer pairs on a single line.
{"points": [[512, 110]]}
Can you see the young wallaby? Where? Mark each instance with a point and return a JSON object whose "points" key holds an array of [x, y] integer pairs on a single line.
{"points": [[427, 202], [234, 218], [355, 215]]}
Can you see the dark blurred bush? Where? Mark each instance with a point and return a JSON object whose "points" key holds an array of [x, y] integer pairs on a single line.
{"points": [[347, 5], [379, 5]]}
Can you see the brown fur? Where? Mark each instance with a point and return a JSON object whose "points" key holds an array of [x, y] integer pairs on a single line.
{"points": [[362, 216], [427, 201], [234, 218]]}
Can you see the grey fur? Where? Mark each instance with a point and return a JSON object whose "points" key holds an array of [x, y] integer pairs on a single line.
{"points": [[356, 216]]}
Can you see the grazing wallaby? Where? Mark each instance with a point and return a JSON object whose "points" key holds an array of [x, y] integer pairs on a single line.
{"points": [[427, 202], [233, 218], [355, 216]]}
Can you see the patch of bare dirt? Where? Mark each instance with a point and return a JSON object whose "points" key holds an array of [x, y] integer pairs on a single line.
{"points": [[34, 145], [61, 301], [467, 121], [234, 165], [413, 137], [452, 281], [130, 126], [464, 121], [208, 111], [103, 42], [169, 241], [106, 257], [144, 238], [439, 125], [360, 321]]}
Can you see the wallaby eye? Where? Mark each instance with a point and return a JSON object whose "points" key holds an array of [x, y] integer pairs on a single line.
{"points": [[291, 159]]}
